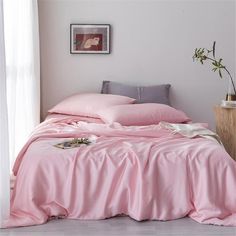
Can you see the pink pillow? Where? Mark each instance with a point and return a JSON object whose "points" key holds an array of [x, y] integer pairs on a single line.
{"points": [[88, 104], [142, 114]]}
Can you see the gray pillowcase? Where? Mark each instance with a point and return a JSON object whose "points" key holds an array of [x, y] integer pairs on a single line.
{"points": [[142, 94]]}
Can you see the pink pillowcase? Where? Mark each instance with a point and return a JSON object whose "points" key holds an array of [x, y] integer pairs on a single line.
{"points": [[142, 114], [88, 104]]}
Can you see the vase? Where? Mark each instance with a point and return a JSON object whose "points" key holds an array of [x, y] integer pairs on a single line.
{"points": [[231, 93], [230, 97]]}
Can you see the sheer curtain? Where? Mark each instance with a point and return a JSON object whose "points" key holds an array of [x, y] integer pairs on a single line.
{"points": [[19, 85], [4, 154], [22, 69]]}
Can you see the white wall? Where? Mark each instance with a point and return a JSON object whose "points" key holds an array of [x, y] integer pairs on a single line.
{"points": [[152, 43]]}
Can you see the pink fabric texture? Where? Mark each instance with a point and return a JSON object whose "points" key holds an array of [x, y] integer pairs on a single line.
{"points": [[142, 114], [88, 104], [145, 172]]}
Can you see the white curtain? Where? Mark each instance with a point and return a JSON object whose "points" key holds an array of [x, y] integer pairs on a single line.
{"points": [[19, 86], [22, 69], [4, 154]]}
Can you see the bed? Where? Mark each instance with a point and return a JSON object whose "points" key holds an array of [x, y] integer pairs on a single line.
{"points": [[143, 170]]}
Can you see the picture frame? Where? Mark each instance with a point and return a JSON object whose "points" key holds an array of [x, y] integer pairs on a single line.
{"points": [[90, 38]]}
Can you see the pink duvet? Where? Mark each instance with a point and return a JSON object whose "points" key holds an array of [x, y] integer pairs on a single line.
{"points": [[143, 172]]}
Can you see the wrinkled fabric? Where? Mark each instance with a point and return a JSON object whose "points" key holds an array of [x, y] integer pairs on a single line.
{"points": [[192, 130], [145, 172]]}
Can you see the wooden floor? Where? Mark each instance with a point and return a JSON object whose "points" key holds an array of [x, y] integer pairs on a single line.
{"points": [[121, 226]]}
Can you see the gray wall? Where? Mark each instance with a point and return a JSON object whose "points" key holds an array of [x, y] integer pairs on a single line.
{"points": [[152, 43]]}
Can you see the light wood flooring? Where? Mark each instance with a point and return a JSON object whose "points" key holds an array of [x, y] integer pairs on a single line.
{"points": [[123, 226]]}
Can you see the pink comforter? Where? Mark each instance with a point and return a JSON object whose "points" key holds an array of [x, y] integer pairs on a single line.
{"points": [[143, 172]]}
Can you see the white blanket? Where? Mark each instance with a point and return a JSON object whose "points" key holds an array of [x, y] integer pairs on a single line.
{"points": [[191, 130]]}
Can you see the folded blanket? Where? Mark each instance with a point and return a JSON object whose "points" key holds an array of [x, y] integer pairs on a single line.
{"points": [[191, 130]]}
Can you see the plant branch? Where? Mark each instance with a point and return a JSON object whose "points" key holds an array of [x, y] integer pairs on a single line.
{"points": [[201, 54]]}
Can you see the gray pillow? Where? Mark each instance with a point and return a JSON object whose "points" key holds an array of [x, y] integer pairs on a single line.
{"points": [[142, 94]]}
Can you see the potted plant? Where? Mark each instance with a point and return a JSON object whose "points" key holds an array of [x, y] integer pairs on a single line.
{"points": [[203, 54]]}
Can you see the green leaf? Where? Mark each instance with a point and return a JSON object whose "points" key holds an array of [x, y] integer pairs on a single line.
{"points": [[220, 74], [214, 48], [214, 63]]}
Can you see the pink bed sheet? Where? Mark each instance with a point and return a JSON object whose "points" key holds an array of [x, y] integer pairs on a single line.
{"points": [[144, 172]]}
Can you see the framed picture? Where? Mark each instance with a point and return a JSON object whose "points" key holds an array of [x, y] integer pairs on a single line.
{"points": [[88, 39]]}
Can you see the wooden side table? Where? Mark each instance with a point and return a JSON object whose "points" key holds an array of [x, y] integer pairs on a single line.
{"points": [[226, 128]]}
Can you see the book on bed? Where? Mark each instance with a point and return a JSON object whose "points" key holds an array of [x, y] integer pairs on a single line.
{"points": [[76, 142]]}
